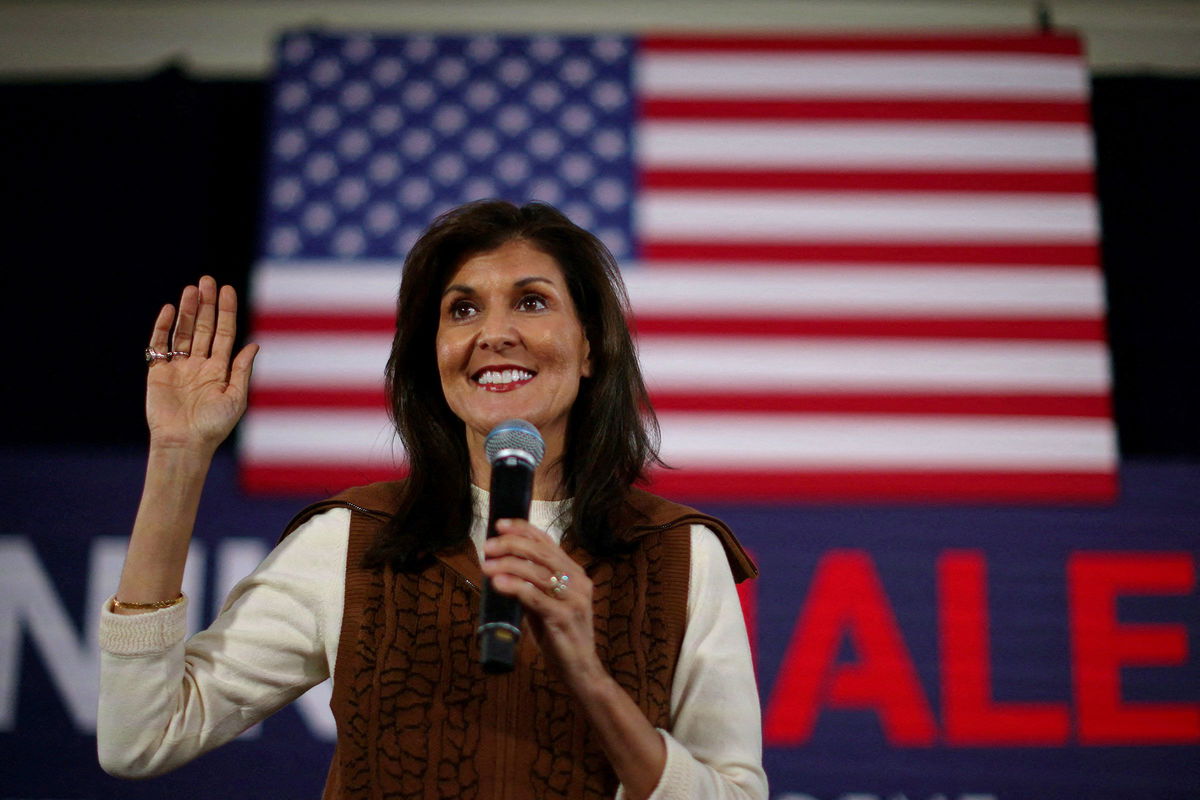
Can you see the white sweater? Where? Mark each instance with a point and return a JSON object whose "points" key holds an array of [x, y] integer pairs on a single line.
{"points": [[164, 701]]}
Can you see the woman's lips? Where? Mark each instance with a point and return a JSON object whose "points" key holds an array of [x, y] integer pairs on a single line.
{"points": [[502, 379]]}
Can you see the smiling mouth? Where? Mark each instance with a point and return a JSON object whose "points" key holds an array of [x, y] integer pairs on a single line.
{"points": [[502, 380]]}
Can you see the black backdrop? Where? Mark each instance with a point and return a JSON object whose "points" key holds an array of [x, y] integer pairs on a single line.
{"points": [[119, 193]]}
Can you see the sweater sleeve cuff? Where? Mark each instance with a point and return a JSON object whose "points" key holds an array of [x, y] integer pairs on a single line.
{"points": [[133, 635]]}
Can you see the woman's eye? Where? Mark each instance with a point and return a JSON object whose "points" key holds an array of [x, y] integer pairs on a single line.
{"points": [[462, 309], [532, 302]]}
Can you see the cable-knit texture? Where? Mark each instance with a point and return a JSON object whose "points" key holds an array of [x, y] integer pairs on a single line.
{"points": [[134, 635]]}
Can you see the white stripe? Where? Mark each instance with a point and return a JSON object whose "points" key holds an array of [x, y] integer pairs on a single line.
{"points": [[344, 361], [748, 365], [288, 436], [766, 365], [825, 146], [727, 288], [782, 216], [745, 441], [325, 286], [814, 441], [722, 290], [922, 76]]}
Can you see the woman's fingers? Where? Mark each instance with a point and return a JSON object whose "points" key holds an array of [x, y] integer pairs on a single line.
{"points": [[226, 325], [206, 318], [160, 338], [527, 554], [243, 367], [186, 324]]}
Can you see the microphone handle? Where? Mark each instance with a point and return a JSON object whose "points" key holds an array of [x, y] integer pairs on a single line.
{"points": [[500, 615]]}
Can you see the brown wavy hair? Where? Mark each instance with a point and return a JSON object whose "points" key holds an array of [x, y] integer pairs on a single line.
{"points": [[612, 433]]}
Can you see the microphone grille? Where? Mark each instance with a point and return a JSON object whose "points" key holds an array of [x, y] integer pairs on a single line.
{"points": [[515, 434]]}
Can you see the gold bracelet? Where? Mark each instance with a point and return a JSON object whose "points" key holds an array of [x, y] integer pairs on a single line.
{"points": [[146, 606]]}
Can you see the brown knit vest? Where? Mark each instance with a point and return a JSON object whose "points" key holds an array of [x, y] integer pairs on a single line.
{"points": [[417, 717]]}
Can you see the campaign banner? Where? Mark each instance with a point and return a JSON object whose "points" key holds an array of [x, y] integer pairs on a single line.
{"points": [[957, 653]]}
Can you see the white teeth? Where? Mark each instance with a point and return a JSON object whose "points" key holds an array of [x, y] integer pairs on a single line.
{"points": [[504, 376]]}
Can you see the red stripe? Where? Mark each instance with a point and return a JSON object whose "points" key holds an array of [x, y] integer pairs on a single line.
{"points": [[967, 404], [1035, 405], [884, 487], [1091, 330], [311, 397], [720, 108], [1005, 253], [1048, 44], [320, 481], [1042, 329], [764, 486], [1065, 182]]}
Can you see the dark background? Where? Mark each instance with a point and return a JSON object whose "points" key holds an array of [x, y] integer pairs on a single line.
{"points": [[121, 192]]}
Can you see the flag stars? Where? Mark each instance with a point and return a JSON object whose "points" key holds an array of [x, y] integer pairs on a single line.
{"points": [[483, 49], [381, 218], [354, 144], [284, 242], [320, 168], [419, 95], [420, 49], [358, 49], [356, 95], [577, 119], [387, 72], [577, 71], [576, 169], [290, 143], [351, 193], [374, 144], [450, 72], [448, 168], [480, 144], [349, 242], [482, 95], [326, 72], [297, 50], [545, 95], [449, 120], [609, 95], [323, 119], [512, 168], [609, 144], [292, 96], [513, 120], [545, 144], [317, 218], [417, 143], [384, 168], [513, 72], [385, 119]]}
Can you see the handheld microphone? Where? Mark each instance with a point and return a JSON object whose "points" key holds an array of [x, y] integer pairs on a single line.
{"points": [[514, 449]]}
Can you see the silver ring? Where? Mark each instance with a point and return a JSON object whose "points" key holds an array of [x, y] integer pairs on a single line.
{"points": [[177, 354], [558, 584], [153, 355]]}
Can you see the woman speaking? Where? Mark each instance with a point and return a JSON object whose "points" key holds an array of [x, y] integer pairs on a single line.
{"points": [[634, 677]]}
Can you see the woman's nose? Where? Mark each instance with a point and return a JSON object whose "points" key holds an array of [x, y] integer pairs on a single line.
{"points": [[498, 334]]}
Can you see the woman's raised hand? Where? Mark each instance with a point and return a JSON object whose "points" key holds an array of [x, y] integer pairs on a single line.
{"points": [[194, 400]]}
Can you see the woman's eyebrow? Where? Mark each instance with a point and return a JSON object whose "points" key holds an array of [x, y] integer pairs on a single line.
{"points": [[458, 287], [462, 288]]}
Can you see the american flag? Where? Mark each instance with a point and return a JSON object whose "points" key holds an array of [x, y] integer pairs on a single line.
{"points": [[861, 268]]}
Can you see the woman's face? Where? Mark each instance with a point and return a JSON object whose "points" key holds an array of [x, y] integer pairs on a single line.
{"points": [[510, 344]]}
